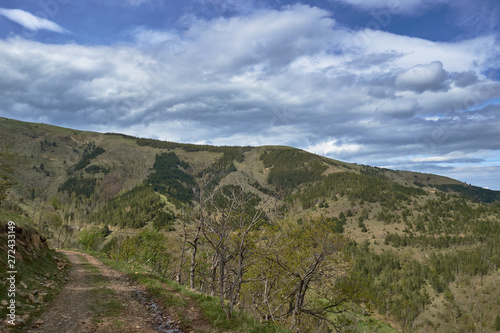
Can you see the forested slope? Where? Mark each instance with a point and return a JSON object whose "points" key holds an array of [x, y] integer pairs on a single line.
{"points": [[416, 250]]}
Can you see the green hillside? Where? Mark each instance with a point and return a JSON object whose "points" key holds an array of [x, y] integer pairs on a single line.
{"points": [[418, 252]]}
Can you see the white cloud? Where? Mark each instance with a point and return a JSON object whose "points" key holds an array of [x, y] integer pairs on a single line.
{"points": [[31, 22], [289, 76], [407, 7], [275, 38], [423, 77], [335, 147], [132, 3], [454, 157], [472, 54]]}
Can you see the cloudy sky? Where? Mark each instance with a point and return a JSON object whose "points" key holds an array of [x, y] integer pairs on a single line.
{"points": [[402, 84]]}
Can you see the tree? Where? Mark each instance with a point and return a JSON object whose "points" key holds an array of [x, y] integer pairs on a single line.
{"points": [[232, 216], [153, 251], [202, 196], [91, 238], [303, 275]]}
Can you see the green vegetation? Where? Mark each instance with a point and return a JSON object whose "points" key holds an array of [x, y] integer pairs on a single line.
{"points": [[178, 299], [472, 192], [230, 150], [291, 167], [355, 186], [419, 255], [224, 165], [79, 187], [170, 179], [6, 170], [90, 152], [33, 264], [276, 270], [93, 169], [135, 209]]}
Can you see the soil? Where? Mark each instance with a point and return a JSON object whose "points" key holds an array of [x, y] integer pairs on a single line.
{"points": [[79, 306]]}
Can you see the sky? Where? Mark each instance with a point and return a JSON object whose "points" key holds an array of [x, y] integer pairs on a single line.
{"points": [[406, 85]]}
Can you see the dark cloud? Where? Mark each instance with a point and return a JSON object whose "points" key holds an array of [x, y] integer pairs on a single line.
{"points": [[464, 79]]}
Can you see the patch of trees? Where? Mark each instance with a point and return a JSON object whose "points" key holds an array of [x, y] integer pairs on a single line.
{"points": [[91, 238], [452, 215], [135, 209], [423, 241], [237, 247], [148, 248], [45, 143], [290, 168], [373, 171], [397, 286], [230, 150], [357, 187], [399, 283], [223, 166], [472, 192], [78, 186], [93, 169], [90, 152], [170, 178]]}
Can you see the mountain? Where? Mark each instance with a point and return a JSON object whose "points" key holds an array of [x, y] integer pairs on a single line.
{"points": [[426, 246]]}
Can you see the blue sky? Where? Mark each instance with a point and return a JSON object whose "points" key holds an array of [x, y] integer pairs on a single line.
{"points": [[411, 84]]}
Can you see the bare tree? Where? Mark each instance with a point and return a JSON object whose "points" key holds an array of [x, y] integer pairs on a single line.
{"points": [[232, 216]]}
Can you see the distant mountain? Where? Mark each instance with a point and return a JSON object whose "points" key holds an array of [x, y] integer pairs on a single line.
{"points": [[421, 240]]}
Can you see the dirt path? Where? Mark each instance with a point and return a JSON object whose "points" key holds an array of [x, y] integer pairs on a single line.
{"points": [[96, 299]]}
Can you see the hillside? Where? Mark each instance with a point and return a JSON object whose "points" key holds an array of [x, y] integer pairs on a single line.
{"points": [[424, 247], [32, 273]]}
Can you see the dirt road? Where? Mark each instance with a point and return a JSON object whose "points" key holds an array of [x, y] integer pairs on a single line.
{"points": [[97, 299]]}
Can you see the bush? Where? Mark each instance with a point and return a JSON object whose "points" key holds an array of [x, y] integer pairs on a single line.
{"points": [[91, 239]]}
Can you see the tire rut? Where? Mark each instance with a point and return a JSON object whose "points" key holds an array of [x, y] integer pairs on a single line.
{"points": [[97, 301]]}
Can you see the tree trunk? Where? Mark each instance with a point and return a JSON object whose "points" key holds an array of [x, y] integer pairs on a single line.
{"points": [[181, 264], [298, 306], [222, 268], [192, 270]]}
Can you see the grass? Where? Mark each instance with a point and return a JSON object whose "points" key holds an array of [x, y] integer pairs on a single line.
{"points": [[106, 309], [102, 307], [34, 270], [369, 324], [178, 299]]}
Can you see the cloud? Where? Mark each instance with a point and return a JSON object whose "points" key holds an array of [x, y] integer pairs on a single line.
{"points": [[291, 76], [406, 7], [132, 3], [400, 108], [464, 79], [423, 77], [452, 157], [267, 37], [144, 37], [31, 22], [335, 147]]}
